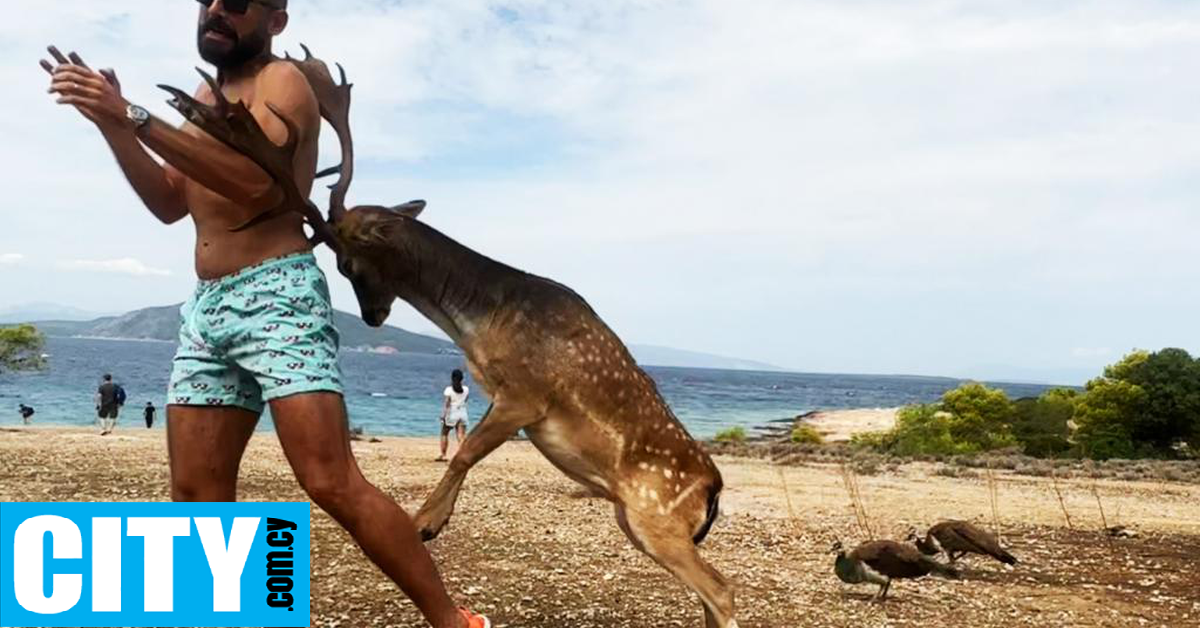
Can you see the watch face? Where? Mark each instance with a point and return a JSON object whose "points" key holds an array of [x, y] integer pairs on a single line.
{"points": [[138, 114]]}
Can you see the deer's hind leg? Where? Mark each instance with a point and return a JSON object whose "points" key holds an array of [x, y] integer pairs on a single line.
{"points": [[501, 421], [668, 540]]}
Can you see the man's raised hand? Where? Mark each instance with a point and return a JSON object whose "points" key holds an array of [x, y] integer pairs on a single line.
{"points": [[97, 95]]}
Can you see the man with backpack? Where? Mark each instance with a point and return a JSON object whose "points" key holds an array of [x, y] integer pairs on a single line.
{"points": [[109, 399]]}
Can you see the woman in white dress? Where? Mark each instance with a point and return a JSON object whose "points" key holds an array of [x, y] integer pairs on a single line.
{"points": [[454, 411]]}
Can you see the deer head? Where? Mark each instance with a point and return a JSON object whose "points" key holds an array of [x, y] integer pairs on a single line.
{"points": [[369, 237], [344, 231]]}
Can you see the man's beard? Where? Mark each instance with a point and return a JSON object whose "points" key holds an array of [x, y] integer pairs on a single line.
{"points": [[225, 56]]}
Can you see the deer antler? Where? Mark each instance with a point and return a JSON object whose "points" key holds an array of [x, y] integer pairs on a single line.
{"points": [[235, 126], [335, 108]]}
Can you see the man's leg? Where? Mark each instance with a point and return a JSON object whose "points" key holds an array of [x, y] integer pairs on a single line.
{"points": [[205, 446], [313, 430], [445, 442]]}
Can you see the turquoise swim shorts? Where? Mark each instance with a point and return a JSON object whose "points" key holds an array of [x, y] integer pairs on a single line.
{"points": [[259, 334]]}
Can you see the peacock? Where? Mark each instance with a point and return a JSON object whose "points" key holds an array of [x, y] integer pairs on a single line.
{"points": [[879, 562], [957, 538]]}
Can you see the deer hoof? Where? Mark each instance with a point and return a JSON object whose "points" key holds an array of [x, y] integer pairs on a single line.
{"points": [[427, 528]]}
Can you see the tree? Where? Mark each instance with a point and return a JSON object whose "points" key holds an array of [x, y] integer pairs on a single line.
{"points": [[926, 429], [1042, 424], [1103, 416], [1146, 404], [21, 348], [980, 415], [1169, 413]]}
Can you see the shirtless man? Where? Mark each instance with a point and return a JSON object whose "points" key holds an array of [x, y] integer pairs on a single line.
{"points": [[259, 327]]}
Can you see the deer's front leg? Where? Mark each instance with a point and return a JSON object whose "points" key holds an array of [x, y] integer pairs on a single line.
{"points": [[499, 424]]}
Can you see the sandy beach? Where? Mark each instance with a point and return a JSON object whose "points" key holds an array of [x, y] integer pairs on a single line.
{"points": [[527, 549], [839, 425]]}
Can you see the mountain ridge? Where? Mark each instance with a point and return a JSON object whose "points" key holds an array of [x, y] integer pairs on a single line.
{"points": [[161, 323]]}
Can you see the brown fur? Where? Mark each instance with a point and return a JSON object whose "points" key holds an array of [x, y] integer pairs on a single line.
{"points": [[554, 369]]}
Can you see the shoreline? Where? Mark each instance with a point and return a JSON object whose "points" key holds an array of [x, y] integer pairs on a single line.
{"points": [[834, 425]]}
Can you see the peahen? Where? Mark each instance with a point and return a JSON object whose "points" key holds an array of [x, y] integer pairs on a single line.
{"points": [[957, 538], [879, 562]]}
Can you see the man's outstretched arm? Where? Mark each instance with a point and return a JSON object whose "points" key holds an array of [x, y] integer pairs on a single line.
{"points": [[160, 188], [202, 159]]}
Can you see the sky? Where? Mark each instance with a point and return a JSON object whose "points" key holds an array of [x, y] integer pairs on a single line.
{"points": [[993, 188]]}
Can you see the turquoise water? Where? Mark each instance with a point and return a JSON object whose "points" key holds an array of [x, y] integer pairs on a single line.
{"points": [[401, 394]]}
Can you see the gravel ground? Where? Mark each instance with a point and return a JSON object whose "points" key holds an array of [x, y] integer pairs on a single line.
{"points": [[529, 550]]}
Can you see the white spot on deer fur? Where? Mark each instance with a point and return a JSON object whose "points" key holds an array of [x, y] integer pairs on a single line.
{"points": [[653, 494], [643, 466], [682, 496], [667, 473]]}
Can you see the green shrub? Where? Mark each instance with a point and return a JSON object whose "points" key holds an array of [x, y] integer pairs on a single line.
{"points": [[21, 348], [807, 434], [731, 435], [879, 441], [1042, 425]]}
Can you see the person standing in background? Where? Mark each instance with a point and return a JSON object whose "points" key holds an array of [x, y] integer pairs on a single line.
{"points": [[107, 405], [26, 414], [149, 412], [454, 411]]}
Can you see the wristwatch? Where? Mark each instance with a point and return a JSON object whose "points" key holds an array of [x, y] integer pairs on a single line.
{"points": [[137, 115]]}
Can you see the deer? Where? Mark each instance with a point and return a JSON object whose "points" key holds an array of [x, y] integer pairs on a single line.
{"points": [[550, 366]]}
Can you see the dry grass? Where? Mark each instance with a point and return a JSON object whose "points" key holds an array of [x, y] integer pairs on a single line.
{"points": [[850, 481], [994, 498], [1061, 503], [524, 548]]}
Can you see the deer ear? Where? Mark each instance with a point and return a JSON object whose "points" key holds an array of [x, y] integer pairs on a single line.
{"points": [[411, 209]]}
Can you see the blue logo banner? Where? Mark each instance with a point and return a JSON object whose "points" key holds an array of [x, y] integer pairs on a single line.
{"points": [[154, 564]]}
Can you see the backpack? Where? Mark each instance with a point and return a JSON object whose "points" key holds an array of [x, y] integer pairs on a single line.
{"points": [[119, 396]]}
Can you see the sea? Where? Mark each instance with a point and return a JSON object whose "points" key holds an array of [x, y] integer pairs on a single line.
{"points": [[401, 395]]}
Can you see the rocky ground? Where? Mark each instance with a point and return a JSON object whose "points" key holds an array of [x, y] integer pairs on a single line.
{"points": [[527, 549]]}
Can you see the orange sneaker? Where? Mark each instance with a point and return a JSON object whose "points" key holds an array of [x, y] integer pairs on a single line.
{"points": [[475, 620]]}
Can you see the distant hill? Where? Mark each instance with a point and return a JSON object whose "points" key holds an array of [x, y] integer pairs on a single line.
{"points": [[162, 323], [650, 355], [44, 312]]}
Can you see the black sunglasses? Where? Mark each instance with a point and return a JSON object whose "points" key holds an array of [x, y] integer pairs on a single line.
{"points": [[239, 7]]}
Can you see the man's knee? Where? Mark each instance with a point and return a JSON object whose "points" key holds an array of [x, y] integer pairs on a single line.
{"points": [[332, 487], [203, 490]]}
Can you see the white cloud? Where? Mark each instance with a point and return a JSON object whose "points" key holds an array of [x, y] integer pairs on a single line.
{"points": [[125, 266], [822, 184], [8, 259]]}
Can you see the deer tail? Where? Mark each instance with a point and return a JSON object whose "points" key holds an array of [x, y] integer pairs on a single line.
{"points": [[714, 502]]}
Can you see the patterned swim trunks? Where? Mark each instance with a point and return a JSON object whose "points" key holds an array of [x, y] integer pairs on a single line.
{"points": [[259, 334]]}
